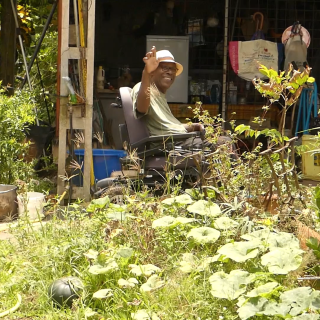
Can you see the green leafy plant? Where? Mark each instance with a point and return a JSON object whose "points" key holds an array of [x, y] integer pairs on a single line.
{"points": [[16, 112]]}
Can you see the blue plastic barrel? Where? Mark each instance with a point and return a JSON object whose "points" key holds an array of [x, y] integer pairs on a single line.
{"points": [[105, 161]]}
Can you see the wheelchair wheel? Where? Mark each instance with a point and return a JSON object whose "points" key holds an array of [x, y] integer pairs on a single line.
{"points": [[116, 194]]}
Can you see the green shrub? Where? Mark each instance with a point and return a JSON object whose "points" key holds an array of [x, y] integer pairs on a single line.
{"points": [[16, 113]]}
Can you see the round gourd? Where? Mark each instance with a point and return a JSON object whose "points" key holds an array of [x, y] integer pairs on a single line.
{"points": [[65, 290]]}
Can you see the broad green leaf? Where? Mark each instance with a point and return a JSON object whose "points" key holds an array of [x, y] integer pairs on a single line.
{"points": [[315, 300], [205, 208], [225, 223], [144, 315], [240, 251], [204, 235], [205, 263], [170, 222], [88, 312], [91, 254], [299, 299], [188, 263], [124, 252], [146, 270], [306, 316], [282, 260], [230, 286], [130, 283], [262, 290], [273, 308], [109, 266], [182, 199], [152, 284], [103, 294], [273, 240], [251, 307], [98, 203], [117, 216]]}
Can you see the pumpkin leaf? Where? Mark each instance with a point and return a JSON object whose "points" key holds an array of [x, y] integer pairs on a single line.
{"points": [[146, 270], [262, 290], [230, 286], [251, 307], [182, 199], [282, 260], [117, 216], [152, 284], [171, 222], [307, 317], [103, 294], [225, 223], [124, 252], [91, 254], [130, 283], [299, 299], [89, 313], [109, 266], [273, 240], [204, 235], [272, 308], [240, 251], [205, 263], [144, 315], [188, 263], [205, 208], [98, 203]]}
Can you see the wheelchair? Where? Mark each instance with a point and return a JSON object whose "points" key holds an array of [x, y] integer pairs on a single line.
{"points": [[146, 165]]}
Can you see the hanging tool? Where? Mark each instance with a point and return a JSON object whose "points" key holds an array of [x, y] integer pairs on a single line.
{"points": [[259, 25], [308, 99], [82, 45]]}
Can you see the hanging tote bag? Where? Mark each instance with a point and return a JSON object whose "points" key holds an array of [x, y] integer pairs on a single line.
{"points": [[245, 55]]}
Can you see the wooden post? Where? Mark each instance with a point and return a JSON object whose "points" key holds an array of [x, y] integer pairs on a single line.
{"points": [[8, 44], [80, 121]]}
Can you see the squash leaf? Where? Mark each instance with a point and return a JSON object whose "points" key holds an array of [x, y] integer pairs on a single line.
{"points": [[144, 315], [230, 286], [124, 252], [307, 317], [146, 270], [152, 284], [240, 251], [262, 290], [204, 235], [130, 283], [103, 294], [182, 199], [225, 223], [282, 260], [170, 222], [251, 307], [299, 299], [205, 208], [109, 266]]}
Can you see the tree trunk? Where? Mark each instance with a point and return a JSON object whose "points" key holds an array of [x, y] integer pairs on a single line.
{"points": [[8, 44]]}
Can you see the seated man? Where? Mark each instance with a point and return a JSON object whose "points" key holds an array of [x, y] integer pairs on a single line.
{"points": [[149, 100]]}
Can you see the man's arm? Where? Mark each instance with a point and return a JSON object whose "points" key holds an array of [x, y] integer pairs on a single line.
{"points": [[143, 98], [151, 64]]}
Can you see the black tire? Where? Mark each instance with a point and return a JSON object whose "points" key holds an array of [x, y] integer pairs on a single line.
{"points": [[116, 194]]}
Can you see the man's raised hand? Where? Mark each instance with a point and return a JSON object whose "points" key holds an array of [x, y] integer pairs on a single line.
{"points": [[150, 60]]}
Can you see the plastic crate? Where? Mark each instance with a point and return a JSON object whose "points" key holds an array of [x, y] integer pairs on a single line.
{"points": [[105, 161]]}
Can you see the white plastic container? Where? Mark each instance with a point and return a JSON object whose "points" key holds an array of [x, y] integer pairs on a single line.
{"points": [[31, 205], [100, 78]]}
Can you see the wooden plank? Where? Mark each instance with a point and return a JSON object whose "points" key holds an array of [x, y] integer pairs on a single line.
{"points": [[89, 98], [63, 94], [8, 44]]}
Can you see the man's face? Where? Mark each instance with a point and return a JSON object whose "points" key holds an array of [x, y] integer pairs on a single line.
{"points": [[164, 75]]}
